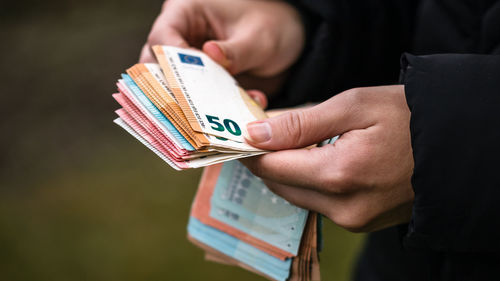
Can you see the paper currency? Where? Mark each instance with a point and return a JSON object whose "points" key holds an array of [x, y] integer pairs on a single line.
{"points": [[128, 87], [202, 208], [153, 107], [243, 201], [210, 98], [246, 239], [131, 131], [239, 250], [191, 113]]}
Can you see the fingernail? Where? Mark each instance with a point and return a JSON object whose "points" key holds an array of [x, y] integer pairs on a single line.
{"points": [[259, 131]]}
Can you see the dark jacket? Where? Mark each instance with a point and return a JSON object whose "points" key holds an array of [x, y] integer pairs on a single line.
{"points": [[447, 53]]}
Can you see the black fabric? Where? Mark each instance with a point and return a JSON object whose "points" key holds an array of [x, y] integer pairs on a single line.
{"points": [[452, 85], [455, 127], [383, 258], [350, 44]]}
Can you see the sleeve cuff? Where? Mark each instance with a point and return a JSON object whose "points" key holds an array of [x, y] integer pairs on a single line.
{"points": [[454, 101]]}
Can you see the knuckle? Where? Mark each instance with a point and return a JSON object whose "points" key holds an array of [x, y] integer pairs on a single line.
{"points": [[353, 219], [269, 44], [341, 181], [152, 38], [355, 93], [294, 127], [327, 181], [345, 175], [356, 97], [166, 4]]}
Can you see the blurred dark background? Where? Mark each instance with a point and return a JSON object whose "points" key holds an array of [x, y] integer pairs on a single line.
{"points": [[79, 198]]}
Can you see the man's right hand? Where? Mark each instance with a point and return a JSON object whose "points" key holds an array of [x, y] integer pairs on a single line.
{"points": [[255, 37]]}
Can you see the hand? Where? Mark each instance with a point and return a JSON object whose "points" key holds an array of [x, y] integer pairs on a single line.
{"points": [[362, 181], [260, 39]]}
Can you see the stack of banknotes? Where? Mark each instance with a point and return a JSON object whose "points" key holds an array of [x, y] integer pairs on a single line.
{"points": [[191, 112], [188, 109], [237, 220]]}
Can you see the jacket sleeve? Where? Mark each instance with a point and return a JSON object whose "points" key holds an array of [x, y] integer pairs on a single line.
{"points": [[455, 131], [349, 43]]}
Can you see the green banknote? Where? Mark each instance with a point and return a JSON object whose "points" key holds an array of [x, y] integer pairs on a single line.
{"points": [[243, 201]]}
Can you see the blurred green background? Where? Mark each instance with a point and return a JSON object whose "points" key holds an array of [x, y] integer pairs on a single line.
{"points": [[79, 198]]}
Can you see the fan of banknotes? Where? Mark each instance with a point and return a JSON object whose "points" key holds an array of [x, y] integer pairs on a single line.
{"points": [[188, 109], [191, 112]]}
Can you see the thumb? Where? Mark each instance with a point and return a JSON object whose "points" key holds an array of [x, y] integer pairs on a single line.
{"points": [[303, 127]]}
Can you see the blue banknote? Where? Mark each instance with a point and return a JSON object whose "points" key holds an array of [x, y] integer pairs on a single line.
{"points": [[243, 201], [239, 250]]}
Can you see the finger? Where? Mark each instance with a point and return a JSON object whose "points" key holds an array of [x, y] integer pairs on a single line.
{"points": [[238, 53], [214, 50], [167, 36], [303, 127], [310, 168], [304, 198], [165, 32], [259, 97], [161, 36], [146, 55]]}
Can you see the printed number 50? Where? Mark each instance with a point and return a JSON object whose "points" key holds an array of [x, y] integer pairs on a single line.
{"points": [[229, 125]]}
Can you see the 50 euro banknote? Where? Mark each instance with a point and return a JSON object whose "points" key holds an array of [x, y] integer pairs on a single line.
{"points": [[208, 95], [160, 103]]}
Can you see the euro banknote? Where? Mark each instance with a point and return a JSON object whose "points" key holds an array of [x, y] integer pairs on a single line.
{"points": [[201, 209], [243, 201], [191, 74], [239, 250], [192, 113], [131, 131], [247, 239], [154, 107]]}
